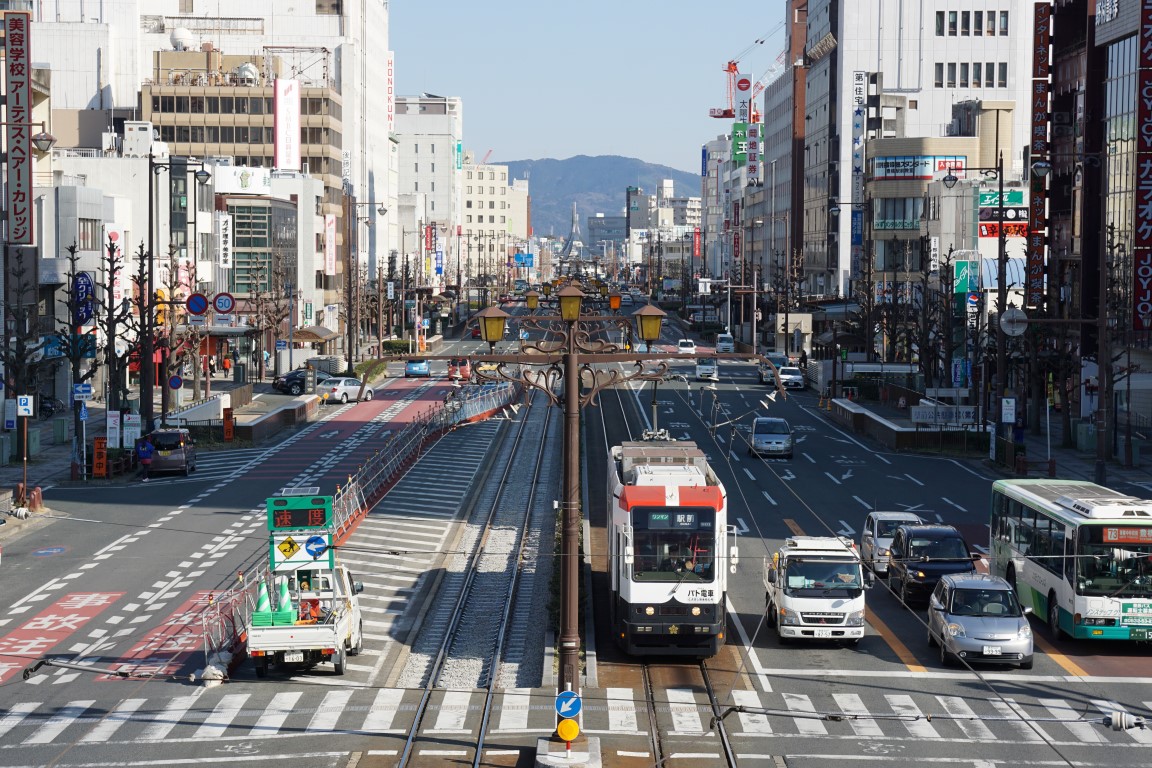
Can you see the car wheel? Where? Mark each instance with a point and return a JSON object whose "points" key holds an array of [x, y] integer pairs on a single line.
{"points": [[1026, 664], [1054, 617], [359, 645], [368, 395], [262, 667], [905, 595], [338, 662], [187, 470], [344, 398], [931, 639], [946, 658], [296, 389]]}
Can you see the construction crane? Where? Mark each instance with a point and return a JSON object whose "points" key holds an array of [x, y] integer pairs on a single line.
{"points": [[487, 155], [731, 70]]}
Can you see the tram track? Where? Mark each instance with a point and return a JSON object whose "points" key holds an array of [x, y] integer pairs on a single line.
{"points": [[486, 583]]}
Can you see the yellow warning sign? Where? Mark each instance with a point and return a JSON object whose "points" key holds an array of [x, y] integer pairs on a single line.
{"points": [[568, 729], [288, 547]]}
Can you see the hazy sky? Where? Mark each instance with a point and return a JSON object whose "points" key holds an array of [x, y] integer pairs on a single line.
{"points": [[600, 77]]}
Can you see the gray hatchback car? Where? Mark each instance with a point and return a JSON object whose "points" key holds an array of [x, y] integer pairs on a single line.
{"points": [[175, 451], [976, 617]]}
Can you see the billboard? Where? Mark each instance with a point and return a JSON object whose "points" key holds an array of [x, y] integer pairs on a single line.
{"points": [[329, 243], [286, 122], [1142, 246], [241, 180], [222, 223], [18, 131]]}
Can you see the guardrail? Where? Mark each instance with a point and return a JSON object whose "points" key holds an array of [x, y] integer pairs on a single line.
{"points": [[223, 628]]}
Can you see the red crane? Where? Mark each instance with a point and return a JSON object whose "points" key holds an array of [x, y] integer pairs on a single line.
{"points": [[731, 70]]}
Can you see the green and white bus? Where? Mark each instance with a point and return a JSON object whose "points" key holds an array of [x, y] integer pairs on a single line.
{"points": [[1077, 553]]}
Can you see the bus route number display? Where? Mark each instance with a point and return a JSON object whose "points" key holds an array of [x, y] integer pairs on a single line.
{"points": [[671, 520], [299, 513]]}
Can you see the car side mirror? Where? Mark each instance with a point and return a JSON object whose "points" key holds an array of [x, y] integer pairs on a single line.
{"points": [[358, 587], [934, 604], [975, 555], [867, 534], [1027, 610], [772, 576]]}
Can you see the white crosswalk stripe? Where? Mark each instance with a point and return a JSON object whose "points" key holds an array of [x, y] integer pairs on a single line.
{"points": [[515, 709], [967, 719], [1070, 718], [621, 710], [16, 715], [383, 712], [1108, 707], [329, 711], [1023, 727], [56, 724], [753, 723], [912, 717], [167, 719], [221, 717], [106, 728], [850, 703], [685, 712], [273, 717], [797, 702]]}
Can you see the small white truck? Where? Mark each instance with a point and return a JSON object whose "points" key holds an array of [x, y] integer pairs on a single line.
{"points": [[323, 623], [814, 590]]}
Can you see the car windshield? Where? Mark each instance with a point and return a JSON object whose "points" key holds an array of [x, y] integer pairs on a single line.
{"points": [[822, 576], [948, 548], [687, 344], [790, 372], [771, 428], [984, 602], [886, 529]]}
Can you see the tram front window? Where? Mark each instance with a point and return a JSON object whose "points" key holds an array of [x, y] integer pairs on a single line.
{"points": [[674, 545]]}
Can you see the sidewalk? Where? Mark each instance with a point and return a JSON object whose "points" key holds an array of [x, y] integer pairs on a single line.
{"points": [[53, 464]]}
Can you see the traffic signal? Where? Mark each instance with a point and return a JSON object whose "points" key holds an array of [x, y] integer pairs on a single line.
{"points": [[161, 308]]}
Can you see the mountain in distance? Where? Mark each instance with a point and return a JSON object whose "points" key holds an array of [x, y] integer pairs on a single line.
{"points": [[596, 184]]}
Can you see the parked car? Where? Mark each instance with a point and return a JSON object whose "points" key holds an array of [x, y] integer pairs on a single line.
{"points": [[976, 617], [343, 389], [476, 332], [771, 436], [626, 299], [459, 368], [417, 367], [707, 370], [686, 346], [921, 554], [792, 378], [725, 343], [292, 383], [175, 451], [876, 537]]}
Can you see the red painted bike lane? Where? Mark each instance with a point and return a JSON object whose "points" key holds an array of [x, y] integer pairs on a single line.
{"points": [[42, 633]]}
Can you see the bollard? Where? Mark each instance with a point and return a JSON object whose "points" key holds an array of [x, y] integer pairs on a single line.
{"points": [[36, 500], [1051, 467]]}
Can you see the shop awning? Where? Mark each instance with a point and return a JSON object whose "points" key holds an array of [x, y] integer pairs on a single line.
{"points": [[314, 333]]}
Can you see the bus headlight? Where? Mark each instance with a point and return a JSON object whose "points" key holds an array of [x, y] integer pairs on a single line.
{"points": [[650, 611], [855, 619], [955, 630], [695, 610]]}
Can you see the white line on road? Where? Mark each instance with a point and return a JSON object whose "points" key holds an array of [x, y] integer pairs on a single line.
{"points": [[949, 501], [913, 479], [863, 503], [749, 651], [846, 529], [749, 473], [832, 478], [771, 500]]}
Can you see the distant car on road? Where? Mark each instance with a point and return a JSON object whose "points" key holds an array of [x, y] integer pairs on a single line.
{"points": [[417, 367], [292, 383], [777, 360], [791, 378], [921, 554], [344, 389], [725, 343], [686, 346], [771, 436], [459, 368], [476, 332], [706, 369], [876, 537]]}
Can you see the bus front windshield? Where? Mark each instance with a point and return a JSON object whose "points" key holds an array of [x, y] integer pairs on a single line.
{"points": [[674, 544], [1114, 561]]}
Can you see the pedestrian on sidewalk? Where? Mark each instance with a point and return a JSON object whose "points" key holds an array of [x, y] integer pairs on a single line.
{"points": [[144, 453], [212, 366], [227, 366]]}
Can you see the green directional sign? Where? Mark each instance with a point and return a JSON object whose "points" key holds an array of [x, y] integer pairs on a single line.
{"points": [[966, 276], [992, 199]]}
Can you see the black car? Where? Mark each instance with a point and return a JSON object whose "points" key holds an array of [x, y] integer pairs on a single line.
{"points": [[921, 554], [292, 383]]}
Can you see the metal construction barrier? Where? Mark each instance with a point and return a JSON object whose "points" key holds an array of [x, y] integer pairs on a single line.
{"points": [[223, 626]]}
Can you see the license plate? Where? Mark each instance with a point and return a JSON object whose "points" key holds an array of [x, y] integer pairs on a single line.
{"points": [[991, 650], [822, 633], [165, 453], [297, 656]]}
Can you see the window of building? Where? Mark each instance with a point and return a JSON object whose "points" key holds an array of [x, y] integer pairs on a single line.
{"points": [[1003, 23], [939, 74], [990, 28], [88, 235], [502, 220], [167, 133], [433, 186], [951, 75], [227, 134], [433, 168], [241, 134], [212, 105], [469, 179], [416, 167], [1002, 80], [415, 186], [491, 220], [913, 104], [212, 134], [977, 23], [952, 23], [227, 105], [976, 74], [964, 75], [182, 104], [467, 203], [197, 134], [168, 104], [432, 148], [939, 23], [431, 205], [965, 19], [468, 219], [491, 204], [183, 133]]}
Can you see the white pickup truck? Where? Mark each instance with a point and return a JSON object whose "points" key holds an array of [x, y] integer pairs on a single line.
{"points": [[323, 625], [814, 590]]}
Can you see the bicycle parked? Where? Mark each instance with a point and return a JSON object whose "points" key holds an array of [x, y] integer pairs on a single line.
{"points": [[51, 406]]}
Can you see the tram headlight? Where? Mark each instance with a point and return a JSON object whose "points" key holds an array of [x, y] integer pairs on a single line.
{"points": [[695, 610], [650, 611]]}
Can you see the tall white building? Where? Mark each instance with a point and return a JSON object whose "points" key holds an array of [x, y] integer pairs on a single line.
{"points": [[877, 69]]}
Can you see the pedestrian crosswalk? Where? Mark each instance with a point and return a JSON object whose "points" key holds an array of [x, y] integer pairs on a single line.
{"points": [[240, 711]]}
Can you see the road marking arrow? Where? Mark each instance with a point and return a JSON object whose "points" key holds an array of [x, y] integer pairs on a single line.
{"points": [[741, 526], [787, 475], [845, 530], [846, 475], [327, 435]]}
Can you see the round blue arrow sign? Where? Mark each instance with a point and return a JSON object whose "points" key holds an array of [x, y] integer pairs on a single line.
{"points": [[568, 704], [316, 546]]}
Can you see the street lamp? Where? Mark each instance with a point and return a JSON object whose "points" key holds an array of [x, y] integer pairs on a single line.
{"points": [[996, 172], [575, 339], [149, 299]]}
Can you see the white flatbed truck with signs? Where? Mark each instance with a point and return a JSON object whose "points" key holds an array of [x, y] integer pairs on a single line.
{"points": [[814, 590], [317, 615], [324, 623]]}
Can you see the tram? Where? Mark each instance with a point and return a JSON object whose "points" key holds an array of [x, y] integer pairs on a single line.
{"points": [[670, 549]]}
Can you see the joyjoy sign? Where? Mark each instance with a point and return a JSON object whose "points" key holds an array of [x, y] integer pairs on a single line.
{"points": [[1142, 247]]}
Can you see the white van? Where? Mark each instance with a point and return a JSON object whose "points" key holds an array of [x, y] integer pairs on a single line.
{"points": [[706, 369], [725, 343]]}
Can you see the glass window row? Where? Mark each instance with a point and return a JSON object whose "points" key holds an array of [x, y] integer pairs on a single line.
{"points": [[986, 74], [242, 134], [237, 105], [971, 23]]}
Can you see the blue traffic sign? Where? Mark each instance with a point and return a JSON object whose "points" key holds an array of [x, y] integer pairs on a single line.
{"points": [[197, 304], [316, 546], [175, 382], [281, 345], [568, 704], [223, 303], [83, 411]]}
